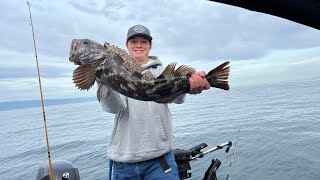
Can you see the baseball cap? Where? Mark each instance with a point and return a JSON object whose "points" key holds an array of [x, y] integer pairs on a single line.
{"points": [[138, 30]]}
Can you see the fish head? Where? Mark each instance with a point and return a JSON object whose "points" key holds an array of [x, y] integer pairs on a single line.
{"points": [[86, 51]]}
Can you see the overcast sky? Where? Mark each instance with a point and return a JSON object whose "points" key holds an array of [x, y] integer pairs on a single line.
{"points": [[262, 48]]}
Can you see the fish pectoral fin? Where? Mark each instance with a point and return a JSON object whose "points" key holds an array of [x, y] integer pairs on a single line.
{"points": [[84, 76]]}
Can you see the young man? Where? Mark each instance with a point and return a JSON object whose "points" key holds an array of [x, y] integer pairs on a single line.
{"points": [[141, 141]]}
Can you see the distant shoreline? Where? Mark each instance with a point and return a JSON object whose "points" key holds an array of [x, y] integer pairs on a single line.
{"points": [[4, 106], [12, 105]]}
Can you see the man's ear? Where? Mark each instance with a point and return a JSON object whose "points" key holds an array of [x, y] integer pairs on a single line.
{"points": [[127, 44]]}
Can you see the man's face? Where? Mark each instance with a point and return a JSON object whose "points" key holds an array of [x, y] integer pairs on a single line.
{"points": [[139, 48]]}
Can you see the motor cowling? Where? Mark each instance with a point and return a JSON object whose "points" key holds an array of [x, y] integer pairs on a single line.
{"points": [[62, 170]]}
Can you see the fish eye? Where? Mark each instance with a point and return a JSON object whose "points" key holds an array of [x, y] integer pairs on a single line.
{"points": [[86, 41]]}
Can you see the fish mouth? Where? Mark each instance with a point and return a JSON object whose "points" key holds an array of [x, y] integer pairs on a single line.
{"points": [[78, 60], [73, 58]]}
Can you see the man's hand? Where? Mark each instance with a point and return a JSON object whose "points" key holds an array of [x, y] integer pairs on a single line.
{"points": [[198, 82]]}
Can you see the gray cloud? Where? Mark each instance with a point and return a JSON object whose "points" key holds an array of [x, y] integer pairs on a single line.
{"points": [[206, 30], [46, 71], [93, 6], [190, 30]]}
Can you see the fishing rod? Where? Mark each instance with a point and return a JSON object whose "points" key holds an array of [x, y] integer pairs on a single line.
{"points": [[233, 154], [41, 96]]}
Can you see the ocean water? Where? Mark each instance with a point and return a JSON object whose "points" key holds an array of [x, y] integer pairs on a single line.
{"points": [[279, 135]]}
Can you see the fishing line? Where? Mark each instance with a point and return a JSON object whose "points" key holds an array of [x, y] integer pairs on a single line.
{"points": [[233, 154], [43, 111]]}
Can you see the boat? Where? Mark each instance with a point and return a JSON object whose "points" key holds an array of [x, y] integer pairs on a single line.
{"points": [[306, 12], [65, 170]]}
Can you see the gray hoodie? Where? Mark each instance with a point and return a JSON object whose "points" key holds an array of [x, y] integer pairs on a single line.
{"points": [[142, 129]]}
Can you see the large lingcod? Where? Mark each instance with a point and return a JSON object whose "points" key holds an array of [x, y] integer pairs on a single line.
{"points": [[118, 71]]}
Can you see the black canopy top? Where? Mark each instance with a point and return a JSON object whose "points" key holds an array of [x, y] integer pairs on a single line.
{"points": [[305, 12]]}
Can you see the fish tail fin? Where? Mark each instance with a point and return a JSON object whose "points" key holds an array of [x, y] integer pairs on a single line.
{"points": [[218, 77]]}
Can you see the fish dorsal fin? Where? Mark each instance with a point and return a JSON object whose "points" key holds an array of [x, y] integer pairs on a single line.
{"points": [[137, 75], [169, 70], [129, 62], [184, 70], [148, 76], [84, 76], [106, 45], [132, 65]]}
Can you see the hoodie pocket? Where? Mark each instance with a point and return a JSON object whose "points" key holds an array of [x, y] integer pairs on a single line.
{"points": [[138, 134], [155, 136], [149, 128]]}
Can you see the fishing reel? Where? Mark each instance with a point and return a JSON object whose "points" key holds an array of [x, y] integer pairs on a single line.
{"points": [[183, 158]]}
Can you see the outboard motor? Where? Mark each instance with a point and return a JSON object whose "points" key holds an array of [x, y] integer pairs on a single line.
{"points": [[62, 170]]}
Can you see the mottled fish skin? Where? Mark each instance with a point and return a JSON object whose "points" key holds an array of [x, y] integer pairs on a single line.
{"points": [[133, 85], [114, 68]]}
